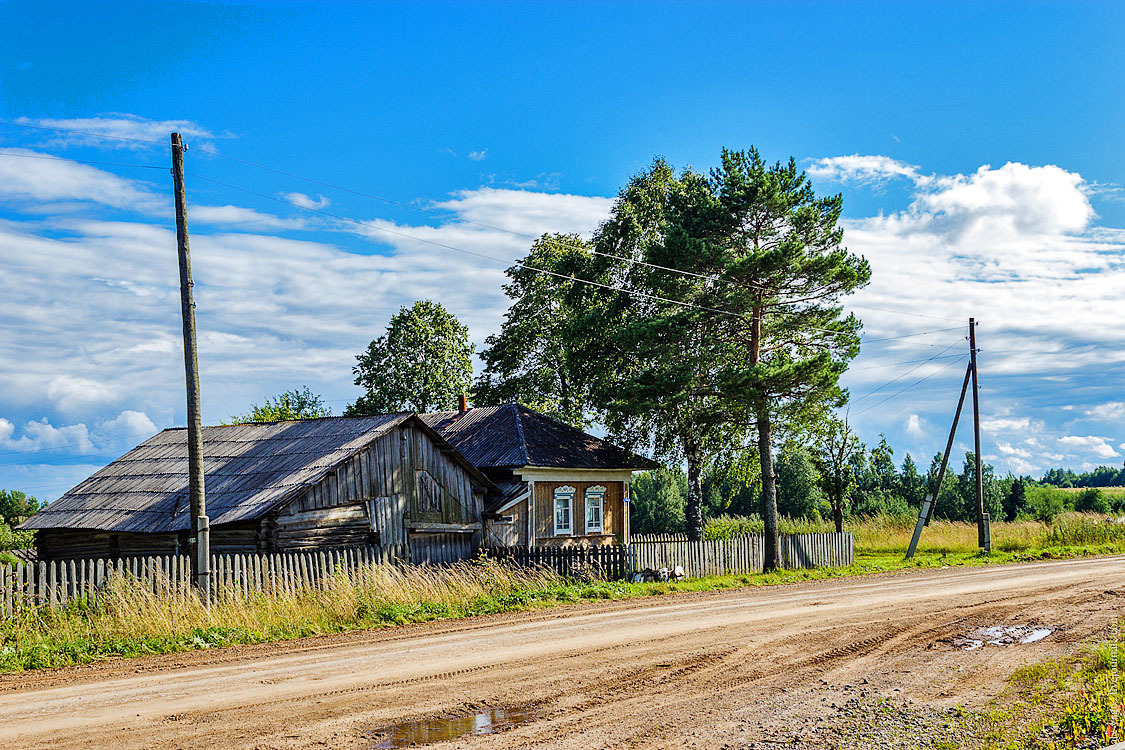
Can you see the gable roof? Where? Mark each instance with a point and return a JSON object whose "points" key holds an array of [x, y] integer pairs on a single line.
{"points": [[250, 469], [511, 436]]}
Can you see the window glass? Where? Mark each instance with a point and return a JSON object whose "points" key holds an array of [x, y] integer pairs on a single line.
{"points": [[595, 496]]}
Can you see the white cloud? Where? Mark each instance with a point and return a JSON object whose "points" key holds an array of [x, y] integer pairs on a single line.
{"points": [[40, 435], [1008, 449], [1005, 424], [478, 155], [1109, 411], [914, 425], [44, 183], [530, 213], [128, 424], [1098, 446], [244, 218], [862, 169], [306, 201], [121, 131]]}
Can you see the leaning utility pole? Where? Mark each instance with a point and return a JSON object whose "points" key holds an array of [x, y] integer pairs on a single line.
{"points": [[926, 512], [200, 529], [984, 536]]}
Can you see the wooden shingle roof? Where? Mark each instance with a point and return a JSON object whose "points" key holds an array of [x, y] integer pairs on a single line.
{"points": [[249, 468], [511, 436]]}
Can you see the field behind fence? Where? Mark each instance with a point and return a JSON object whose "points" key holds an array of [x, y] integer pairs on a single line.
{"points": [[58, 582]]}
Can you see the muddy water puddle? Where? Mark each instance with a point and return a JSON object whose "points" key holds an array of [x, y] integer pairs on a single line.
{"points": [[1002, 635], [427, 731]]}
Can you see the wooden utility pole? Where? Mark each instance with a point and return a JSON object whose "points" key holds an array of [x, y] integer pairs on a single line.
{"points": [[200, 528], [983, 536]]}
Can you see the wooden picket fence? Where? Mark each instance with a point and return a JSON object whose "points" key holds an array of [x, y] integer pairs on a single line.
{"points": [[602, 561], [739, 554], [58, 582], [55, 583]]}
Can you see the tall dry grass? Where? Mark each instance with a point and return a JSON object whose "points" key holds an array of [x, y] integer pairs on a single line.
{"points": [[887, 534], [130, 619]]}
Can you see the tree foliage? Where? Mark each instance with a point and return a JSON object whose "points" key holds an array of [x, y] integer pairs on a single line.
{"points": [[16, 506], [834, 450], [532, 360], [299, 403], [422, 363], [657, 502]]}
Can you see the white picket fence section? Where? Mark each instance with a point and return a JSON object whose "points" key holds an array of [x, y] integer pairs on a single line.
{"points": [[739, 554], [59, 582]]}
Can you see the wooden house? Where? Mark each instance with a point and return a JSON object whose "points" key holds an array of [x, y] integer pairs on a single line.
{"points": [[390, 480], [559, 486]]}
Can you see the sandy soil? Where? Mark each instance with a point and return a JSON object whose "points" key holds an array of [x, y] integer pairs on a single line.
{"points": [[748, 669]]}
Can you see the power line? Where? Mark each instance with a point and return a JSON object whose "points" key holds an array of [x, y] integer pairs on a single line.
{"points": [[903, 375], [435, 243], [522, 264], [907, 388], [79, 161], [79, 132]]}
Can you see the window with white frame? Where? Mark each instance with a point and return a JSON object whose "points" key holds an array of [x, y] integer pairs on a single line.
{"points": [[564, 504], [595, 496]]}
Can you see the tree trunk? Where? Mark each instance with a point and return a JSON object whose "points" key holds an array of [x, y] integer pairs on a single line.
{"points": [[772, 556], [838, 514], [694, 510]]}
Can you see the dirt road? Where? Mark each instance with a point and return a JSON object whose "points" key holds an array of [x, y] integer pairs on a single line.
{"points": [[736, 669]]}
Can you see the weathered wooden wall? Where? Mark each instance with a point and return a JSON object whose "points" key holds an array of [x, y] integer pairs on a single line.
{"points": [[510, 534], [613, 514], [76, 544], [374, 498]]}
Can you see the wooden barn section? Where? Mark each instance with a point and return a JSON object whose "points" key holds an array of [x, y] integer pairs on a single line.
{"points": [[388, 481]]}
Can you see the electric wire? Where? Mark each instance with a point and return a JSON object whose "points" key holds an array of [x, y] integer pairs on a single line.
{"points": [[903, 375], [907, 388], [79, 161]]}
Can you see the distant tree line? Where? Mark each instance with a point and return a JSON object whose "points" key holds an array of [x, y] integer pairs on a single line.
{"points": [[875, 485]]}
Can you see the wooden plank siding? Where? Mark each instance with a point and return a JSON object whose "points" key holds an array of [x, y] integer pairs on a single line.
{"points": [[508, 533], [613, 514], [372, 498]]}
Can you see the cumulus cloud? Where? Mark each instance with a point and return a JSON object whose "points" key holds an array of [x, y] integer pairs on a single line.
{"points": [[914, 425], [1109, 411], [129, 423], [1098, 446], [39, 435]]}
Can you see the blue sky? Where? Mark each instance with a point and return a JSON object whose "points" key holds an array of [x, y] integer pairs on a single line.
{"points": [[978, 147]]}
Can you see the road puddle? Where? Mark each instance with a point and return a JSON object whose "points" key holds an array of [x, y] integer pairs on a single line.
{"points": [[1001, 635], [425, 732]]}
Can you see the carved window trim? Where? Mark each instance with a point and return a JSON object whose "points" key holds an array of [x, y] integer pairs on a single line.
{"points": [[563, 509]]}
